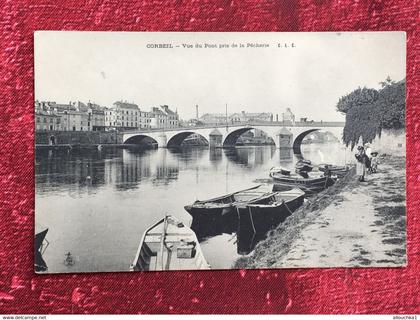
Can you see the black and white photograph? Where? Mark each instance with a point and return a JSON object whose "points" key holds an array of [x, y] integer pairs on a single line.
{"points": [[164, 151]]}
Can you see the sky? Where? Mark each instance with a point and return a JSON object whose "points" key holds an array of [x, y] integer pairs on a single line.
{"points": [[309, 78]]}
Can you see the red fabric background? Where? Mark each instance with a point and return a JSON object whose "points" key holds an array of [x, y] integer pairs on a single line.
{"points": [[393, 290]]}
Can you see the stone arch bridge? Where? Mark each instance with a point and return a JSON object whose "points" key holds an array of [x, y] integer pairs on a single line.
{"points": [[284, 135]]}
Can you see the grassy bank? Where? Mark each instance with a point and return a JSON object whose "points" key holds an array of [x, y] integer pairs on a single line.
{"points": [[336, 226]]}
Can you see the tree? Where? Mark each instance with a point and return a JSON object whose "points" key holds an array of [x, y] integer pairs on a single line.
{"points": [[388, 81], [391, 105], [368, 111], [358, 97]]}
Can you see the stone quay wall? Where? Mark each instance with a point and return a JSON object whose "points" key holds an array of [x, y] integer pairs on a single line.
{"points": [[77, 138], [390, 141]]}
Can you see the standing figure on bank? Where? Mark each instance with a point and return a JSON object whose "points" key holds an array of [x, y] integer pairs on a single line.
{"points": [[374, 162], [361, 158], [368, 152]]}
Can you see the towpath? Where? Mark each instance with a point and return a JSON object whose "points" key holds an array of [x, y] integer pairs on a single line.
{"points": [[361, 224]]}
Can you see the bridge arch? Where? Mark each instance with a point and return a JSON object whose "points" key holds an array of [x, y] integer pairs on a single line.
{"points": [[141, 139], [298, 141], [177, 139], [232, 137]]}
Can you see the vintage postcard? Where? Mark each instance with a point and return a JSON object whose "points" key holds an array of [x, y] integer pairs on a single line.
{"points": [[200, 151]]}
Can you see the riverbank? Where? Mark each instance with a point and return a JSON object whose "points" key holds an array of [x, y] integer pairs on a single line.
{"points": [[351, 224]]}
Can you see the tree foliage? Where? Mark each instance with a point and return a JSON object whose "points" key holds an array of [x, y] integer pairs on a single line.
{"points": [[368, 111], [359, 97]]}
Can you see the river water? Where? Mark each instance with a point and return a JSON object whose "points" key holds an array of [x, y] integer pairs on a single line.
{"points": [[97, 204]]}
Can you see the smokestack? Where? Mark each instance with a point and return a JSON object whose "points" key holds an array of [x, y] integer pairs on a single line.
{"points": [[196, 111]]}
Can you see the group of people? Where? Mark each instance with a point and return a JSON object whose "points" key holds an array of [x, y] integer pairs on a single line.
{"points": [[367, 161]]}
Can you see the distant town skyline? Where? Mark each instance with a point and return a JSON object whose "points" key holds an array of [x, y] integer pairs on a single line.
{"points": [[309, 78]]}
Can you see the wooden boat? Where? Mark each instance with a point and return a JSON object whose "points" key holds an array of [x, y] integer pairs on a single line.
{"points": [[339, 171], [169, 245], [220, 212], [314, 182], [262, 215], [41, 245]]}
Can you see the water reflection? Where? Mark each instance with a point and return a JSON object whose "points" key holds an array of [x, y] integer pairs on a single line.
{"points": [[67, 168], [215, 155], [285, 156], [250, 157], [88, 197]]}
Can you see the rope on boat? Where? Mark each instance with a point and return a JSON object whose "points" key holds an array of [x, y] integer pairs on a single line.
{"points": [[326, 180], [162, 244], [252, 220], [287, 207]]}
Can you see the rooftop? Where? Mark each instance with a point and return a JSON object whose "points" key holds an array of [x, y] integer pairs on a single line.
{"points": [[46, 113], [126, 105]]}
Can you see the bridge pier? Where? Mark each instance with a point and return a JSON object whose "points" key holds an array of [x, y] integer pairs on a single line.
{"points": [[284, 139], [215, 139], [162, 140]]}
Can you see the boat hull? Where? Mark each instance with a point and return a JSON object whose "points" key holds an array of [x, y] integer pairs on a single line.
{"points": [[265, 217], [339, 172], [256, 220], [218, 215], [308, 185], [39, 264], [213, 221]]}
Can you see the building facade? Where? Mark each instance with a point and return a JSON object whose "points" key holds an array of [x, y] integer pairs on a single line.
{"points": [[145, 120], [213, 118], [256, 117], [126, 116], [74, 116], [74, 120], [172, 117], [96, 117], [158, 118], [47, 120], [288, 116], [78, 116], [163, 117], [238, 117]]}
